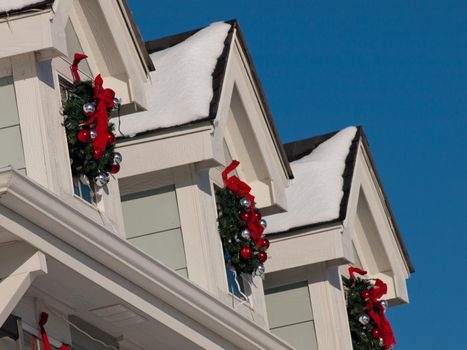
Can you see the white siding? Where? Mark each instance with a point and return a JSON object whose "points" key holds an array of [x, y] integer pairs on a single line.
{"points": [[11, 145], [291, 316], [152, 223]]}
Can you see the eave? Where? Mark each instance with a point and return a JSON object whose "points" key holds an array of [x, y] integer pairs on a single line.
{"points": [[24, 205]]}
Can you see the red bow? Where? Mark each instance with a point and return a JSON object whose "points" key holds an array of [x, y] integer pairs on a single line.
{"points": [[74, 67], [104, 99], [237, 186], [353, 270]]}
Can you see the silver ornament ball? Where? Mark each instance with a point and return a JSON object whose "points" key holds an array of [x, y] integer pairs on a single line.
{"points": [[384, 304], [364, 319], [263, 223], [245, 202], [117, 104], [92, 134], [89, 107], [117, 158], [101, 180], [245, 234], [260, 270]]}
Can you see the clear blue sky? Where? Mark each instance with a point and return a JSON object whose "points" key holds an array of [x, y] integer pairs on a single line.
{"points": [[399, 68]]}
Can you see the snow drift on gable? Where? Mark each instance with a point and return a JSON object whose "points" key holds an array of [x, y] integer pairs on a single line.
{"points": [[180, 90], [11, 5], [316, 192]]}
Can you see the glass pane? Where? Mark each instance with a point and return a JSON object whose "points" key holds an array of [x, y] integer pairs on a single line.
{"points": [[74, 46]]}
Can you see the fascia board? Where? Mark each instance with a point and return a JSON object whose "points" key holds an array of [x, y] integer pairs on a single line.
{"points": [[167, 149], [26, 198], [307, 247], [32, 32]]}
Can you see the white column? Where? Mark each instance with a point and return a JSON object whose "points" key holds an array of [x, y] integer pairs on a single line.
{"points": [[31, 117], [329, 309]]}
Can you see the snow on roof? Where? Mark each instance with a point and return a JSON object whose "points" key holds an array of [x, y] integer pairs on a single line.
{"points": [[316, 192], [10, 5], [180, 90]]}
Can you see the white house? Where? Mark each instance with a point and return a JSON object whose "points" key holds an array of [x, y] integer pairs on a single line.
{"points": [[139, 263]]}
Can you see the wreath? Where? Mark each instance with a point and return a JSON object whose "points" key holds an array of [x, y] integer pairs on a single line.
{"points": [[369, 327], [90, 136], [241, 226]]}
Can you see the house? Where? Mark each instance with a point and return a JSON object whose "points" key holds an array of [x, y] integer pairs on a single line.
{"points": [[138, 263]]}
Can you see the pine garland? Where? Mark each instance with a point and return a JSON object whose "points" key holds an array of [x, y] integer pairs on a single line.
{"points": [[362, 338], [240, 225], [81, 153], [230, 227]]}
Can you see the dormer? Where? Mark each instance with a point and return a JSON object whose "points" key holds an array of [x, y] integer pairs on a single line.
{"points": [[338, 214], [206, 107]]}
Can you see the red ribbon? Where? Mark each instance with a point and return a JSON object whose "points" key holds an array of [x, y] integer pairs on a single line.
{"points": [[45, 338], [379, 289], [237, 186], [64, 347], [353, 270], [74, 67], [104, 99]]}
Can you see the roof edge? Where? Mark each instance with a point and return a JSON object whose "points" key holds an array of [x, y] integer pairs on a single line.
{"points": [[136, 34]]}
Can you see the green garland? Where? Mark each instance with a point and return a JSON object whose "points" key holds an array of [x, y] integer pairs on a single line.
{"points": [[361, 331], [231, 225], [81, 153]]}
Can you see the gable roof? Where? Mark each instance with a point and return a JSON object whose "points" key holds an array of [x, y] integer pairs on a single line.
{"points": [[299, 149], [162, 46]]}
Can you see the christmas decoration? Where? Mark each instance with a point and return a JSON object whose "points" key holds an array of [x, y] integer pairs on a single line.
{"points": [[90, 136], [240, 225], [369, 326], [44, 317]]}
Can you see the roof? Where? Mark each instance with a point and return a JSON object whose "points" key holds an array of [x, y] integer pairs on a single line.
{"points": [[299, 149], [316, 194], [159, 45]]}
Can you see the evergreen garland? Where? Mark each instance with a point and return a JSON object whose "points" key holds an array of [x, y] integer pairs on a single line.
{"points": [[230, 228], [362, 338], [81, 153], [240, 226]]}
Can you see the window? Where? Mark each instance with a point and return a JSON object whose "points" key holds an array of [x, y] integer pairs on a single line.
{"points": [[152, 223], [236, 284], [31, 342], [11, 144], [290, 315], [74, 46], [81, 189]]}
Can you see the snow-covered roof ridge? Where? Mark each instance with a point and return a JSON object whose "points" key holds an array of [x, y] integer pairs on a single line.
{"points": [[180, 89], [317, 189], [12, 5]]}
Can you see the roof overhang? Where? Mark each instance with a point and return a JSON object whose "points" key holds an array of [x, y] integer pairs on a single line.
{"points": [[39, 217], [38, 30]]}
